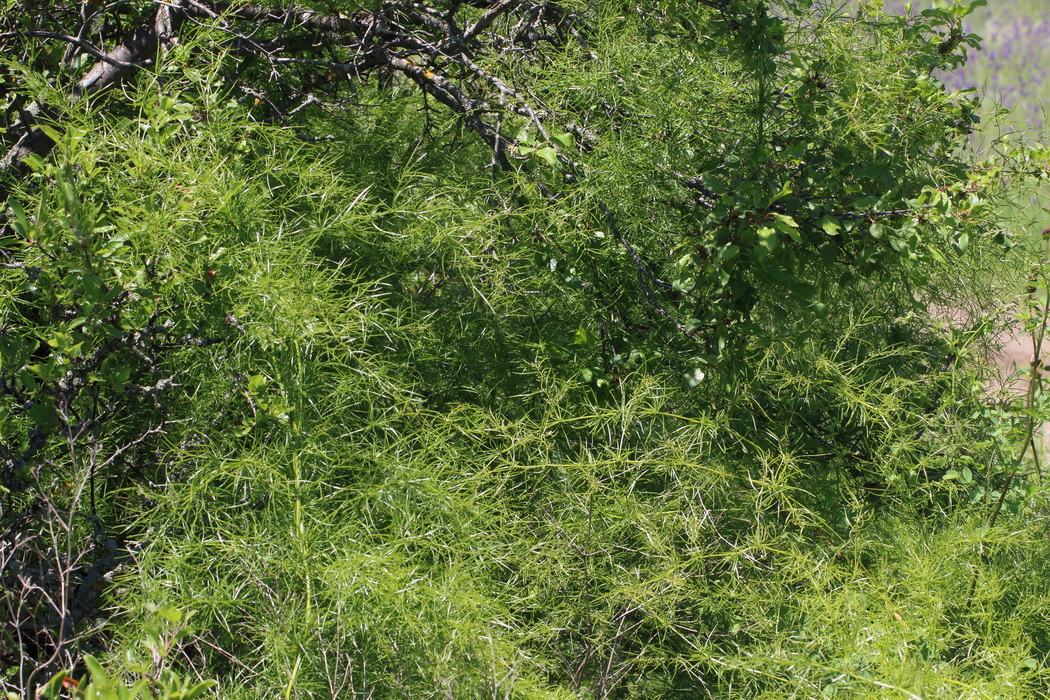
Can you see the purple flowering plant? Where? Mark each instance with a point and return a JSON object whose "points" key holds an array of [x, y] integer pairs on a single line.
{"points": [[1009, 70]]}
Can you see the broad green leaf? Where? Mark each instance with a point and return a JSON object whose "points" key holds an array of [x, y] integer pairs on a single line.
{"points": [[693, 324], [565, 140], [21, 223], [730, 252], [255, 383], [784, 191], [831, 225], [548, 155], [35, 163], [199, 689], [585, 337], [777, 273], [788, 226], [684, 284], [112, 246], [50, 132], [53, 688], [693, 378], [767, 240], [169, 613], [41, 412], [98, 674]]}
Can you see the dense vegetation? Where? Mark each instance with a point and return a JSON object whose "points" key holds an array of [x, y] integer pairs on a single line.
{"points": [[532, 349], [1008, 69]]}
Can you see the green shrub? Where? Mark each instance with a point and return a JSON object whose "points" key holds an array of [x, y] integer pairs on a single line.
{"points": [[650, 396]]}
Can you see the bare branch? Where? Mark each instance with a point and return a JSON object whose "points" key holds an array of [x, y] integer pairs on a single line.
{"points": [[489, 17], [87, 46]]}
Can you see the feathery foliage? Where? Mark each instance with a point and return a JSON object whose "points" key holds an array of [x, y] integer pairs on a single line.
{"points": [[633, 380]]}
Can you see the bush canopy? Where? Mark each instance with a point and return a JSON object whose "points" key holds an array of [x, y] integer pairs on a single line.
{"points": [[523, 349]]}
